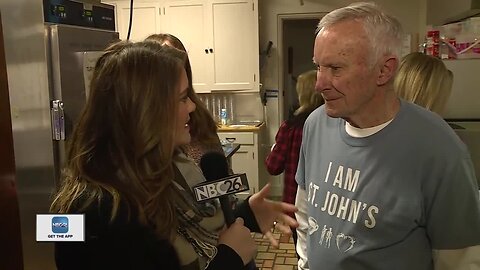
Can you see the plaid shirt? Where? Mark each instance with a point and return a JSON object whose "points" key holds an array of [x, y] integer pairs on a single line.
{"points": [[284, 157]]}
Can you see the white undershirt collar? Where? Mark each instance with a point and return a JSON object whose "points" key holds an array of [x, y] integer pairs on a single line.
{"points": [[364, 132]]}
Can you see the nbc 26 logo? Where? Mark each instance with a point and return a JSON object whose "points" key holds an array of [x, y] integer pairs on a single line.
{"points": [[59, 224]]}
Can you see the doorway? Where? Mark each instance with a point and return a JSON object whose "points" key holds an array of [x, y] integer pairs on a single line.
{"points": [[296, 40]]}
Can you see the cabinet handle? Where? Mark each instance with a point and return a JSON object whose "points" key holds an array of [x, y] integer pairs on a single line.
{"points": [[206, 51], [58, 120], [230, 139], [211, 50]]}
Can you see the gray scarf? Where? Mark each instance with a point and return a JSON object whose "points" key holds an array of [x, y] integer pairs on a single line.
{"points": [[199, 223]]}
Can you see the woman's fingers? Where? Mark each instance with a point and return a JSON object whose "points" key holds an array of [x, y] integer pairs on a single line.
{"points": [[263, 193], [285, 207], [272, 239], [288, 221]]}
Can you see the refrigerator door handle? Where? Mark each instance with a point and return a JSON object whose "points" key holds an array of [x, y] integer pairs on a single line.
{"points": [[58, 120]]}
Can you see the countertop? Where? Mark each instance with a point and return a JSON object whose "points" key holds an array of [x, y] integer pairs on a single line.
{"points": [[240, 128]]}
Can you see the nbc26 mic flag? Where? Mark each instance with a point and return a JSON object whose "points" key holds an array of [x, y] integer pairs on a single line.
{"points": [[60, 227]]}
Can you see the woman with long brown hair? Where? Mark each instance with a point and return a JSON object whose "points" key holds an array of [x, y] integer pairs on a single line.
{"points": [[123, 173], [118, 169], [203, 127]]}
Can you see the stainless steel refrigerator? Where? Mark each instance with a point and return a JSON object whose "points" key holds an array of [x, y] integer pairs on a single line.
{"points": [[51, 47], [463, 106]]}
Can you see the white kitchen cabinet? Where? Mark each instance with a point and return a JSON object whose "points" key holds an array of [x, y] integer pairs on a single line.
{"points": [[221, 37], [243, 161], [248, 159], [146, 18], [187, 21]]}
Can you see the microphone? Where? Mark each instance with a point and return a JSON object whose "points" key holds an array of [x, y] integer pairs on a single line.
{"points": [[219, 183]]}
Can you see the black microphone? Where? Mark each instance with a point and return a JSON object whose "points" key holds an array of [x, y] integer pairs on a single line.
{"points": [[219, 183]]}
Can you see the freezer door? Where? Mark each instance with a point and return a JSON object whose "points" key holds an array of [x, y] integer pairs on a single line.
{"points": [[73, 54], [469, 133], [89, 59], [464, 100]]}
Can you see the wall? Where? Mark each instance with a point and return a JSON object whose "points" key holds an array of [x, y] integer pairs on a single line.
{"points": [[240, 106]]}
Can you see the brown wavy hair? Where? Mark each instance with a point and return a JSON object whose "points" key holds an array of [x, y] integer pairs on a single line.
{"points": [[123, 144], [202, 126]]}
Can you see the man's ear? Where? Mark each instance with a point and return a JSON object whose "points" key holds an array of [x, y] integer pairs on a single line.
{"points": [[387, 70]]}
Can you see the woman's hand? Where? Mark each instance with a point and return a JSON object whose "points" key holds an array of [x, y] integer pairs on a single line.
{"points": [[267, 212], [238, 238]]}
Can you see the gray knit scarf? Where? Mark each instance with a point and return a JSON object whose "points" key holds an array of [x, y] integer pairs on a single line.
{"points": [[199, 223]]}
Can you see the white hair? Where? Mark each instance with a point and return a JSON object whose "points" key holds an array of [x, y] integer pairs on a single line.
{"points": [[384, 31]]}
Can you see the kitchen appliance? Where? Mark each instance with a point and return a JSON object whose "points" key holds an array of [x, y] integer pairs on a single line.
{"points": [[464, 101], [469, 133], [51, 47], [446, 11], [463, 106]]}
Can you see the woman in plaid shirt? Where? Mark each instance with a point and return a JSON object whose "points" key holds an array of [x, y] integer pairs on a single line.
{"points": [[285, 151]]}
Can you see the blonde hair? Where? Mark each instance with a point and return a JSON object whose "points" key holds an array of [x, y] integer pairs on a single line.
{"points": [[308, 98], [424, 80], [123, 144], [384, 31]]}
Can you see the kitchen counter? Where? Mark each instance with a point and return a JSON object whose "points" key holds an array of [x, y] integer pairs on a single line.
{"points": [[240, 128]]}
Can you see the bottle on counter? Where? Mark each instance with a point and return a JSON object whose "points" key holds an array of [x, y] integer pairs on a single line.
{"points": [[444, 51], [223, 116]]}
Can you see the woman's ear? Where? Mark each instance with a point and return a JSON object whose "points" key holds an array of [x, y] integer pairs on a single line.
{"points": [[387, 70]]}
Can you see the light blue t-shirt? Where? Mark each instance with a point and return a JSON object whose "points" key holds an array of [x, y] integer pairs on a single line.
{"points": [[386, 200]]}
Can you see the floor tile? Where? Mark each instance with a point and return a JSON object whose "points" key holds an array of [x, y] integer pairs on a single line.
{"points": [[270, 258]]}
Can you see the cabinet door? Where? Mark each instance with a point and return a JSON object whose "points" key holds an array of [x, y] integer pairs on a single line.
{"points": [[235, 45], [244, 161], [146, 19], [187, 20]]}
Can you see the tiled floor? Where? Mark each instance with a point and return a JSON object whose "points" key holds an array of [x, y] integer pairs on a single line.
{"points": [[269, 258]]}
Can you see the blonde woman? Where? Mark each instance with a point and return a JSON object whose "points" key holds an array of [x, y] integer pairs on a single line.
{"points": [[424, 80], [285, 153]]}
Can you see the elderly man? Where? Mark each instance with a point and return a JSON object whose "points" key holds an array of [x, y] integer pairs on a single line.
{"points": [[383, 183]]}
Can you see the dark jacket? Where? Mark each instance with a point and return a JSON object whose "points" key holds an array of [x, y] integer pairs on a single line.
{"points": [[126, 244]]}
